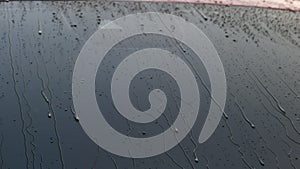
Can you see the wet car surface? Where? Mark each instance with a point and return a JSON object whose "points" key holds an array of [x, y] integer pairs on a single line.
{"points": [[259, 49]]}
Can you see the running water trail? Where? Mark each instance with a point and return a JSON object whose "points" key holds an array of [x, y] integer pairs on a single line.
{"points": [[15, 87]]}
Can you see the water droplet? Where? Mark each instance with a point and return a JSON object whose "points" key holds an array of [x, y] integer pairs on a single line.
{"points": [[76, 118], [196, 160], [176, 130], [261, 162], [40, 32], [281, 108], [225, 115], [49, 115]]}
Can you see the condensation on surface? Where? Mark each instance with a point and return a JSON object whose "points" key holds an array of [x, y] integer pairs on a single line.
{"points": [[260, 50]]}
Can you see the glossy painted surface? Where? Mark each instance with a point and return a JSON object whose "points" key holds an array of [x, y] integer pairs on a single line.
{"points": [[40, 42]]}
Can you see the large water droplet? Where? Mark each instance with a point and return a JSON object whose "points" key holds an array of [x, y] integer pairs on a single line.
{"points": [[196, 160], [76, 118]]}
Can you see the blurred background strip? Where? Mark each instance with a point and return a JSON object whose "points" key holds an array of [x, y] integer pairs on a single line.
{"points": [[293, 5]]}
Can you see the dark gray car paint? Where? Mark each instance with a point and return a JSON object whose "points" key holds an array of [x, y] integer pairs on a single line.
{"points": [[260, 51]]}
